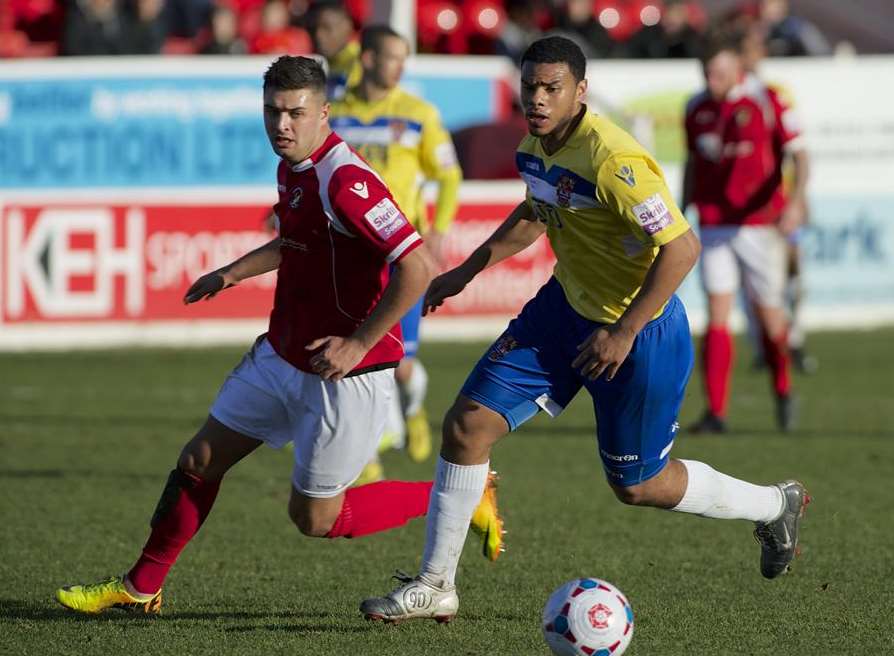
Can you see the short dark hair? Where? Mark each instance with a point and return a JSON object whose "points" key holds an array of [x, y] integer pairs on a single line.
{"points": [[318, 7], [371, 37], [557, 50], [289, 72], [722, 41]]}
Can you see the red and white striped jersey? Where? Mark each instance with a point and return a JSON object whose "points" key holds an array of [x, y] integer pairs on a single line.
{"points": [[340, 230], [737, 148]]}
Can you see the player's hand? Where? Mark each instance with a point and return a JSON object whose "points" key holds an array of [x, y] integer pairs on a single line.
{"points": [[337, 358], [208, 286], [443, 287], [434, 240], [793, 217], [604, 351]]}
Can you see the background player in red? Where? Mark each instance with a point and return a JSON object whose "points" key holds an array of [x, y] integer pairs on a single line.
{"points": [[321, 377], [734, 178]]}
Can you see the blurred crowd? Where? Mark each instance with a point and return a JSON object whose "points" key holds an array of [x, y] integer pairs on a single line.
{"points": [[603, 28]]}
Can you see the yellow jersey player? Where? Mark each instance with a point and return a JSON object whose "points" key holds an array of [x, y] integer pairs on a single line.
{"points": [[402, 137], [608, 321], [332, 32]]}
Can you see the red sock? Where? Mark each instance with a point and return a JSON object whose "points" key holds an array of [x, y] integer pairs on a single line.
{"points": [[184, 505], [380, 506], [717, 361], [776, 356]]}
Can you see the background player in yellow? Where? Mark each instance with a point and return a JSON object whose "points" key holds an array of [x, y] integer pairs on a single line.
{"points": [[402, 137], [608, 321], [332, 32]]}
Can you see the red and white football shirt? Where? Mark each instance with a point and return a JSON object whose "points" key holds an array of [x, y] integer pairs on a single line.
{"points": [[340, 230], [736, 147]]}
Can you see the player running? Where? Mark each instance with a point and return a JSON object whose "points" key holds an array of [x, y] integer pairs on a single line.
{"points": [[737, 132], [403, 139], [332, 33], [321, 376], [608, 321]]}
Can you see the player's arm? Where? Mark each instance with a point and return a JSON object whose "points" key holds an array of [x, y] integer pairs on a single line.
{"points": [[515, 234], [377, 221], [261, 260], [648, 208], [439, 163], [794, 214]]}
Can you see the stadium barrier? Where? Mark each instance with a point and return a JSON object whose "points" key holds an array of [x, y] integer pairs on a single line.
{"points": [[123, 180]]}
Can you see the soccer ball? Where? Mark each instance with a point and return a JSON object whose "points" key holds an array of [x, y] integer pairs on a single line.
{"points": [[587, 617]]}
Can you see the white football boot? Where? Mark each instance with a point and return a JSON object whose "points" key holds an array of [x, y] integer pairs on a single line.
{"points": [[414, 598]]}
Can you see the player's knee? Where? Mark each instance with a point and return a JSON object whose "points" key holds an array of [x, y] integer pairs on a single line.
{"points": [[194, 460], [633, 495], [464, 432], [309, 522]]}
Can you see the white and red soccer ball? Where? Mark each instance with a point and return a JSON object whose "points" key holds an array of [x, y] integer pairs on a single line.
{"points": [[587, 617]]}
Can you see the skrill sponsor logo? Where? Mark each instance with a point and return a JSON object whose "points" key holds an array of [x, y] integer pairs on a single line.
{"points": [[385, 218], [653, 215]]}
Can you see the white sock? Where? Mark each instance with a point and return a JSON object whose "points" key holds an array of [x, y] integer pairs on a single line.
{"points": [[454, 497], [395, 428], [712, 494], [413, 391]]}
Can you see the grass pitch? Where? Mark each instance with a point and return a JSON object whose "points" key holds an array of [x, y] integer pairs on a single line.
{"points": [[88, 439]]}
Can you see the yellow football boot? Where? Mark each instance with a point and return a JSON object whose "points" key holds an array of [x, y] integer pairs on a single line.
{"points": [[487, 523], [372, 472], [418, 436], [110, 593]]}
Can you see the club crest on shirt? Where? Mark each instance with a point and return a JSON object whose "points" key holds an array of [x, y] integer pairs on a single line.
{"points": [[564, 188], [501, 347], [625, 174], [743, 117], [297, 193], [397, 128]]}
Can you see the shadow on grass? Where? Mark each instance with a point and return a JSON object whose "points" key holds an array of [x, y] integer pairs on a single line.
{"points": [[301, 627], [16, 609], [78, 473]]}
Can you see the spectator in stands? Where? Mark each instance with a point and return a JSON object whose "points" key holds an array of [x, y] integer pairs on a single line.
{"points": [[185, 19], [791, 36], [575, 19], [144, 28], [277, 36], [521, 29], [672, 36], [225, 39], [103, 27], [93, 27]]}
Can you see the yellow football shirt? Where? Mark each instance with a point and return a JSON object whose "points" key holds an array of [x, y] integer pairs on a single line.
{"points": [[403, 139], [344, 71], [607, 209]]}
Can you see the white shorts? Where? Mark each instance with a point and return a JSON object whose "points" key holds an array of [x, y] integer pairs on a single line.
{"points": [[334, 425], [749, 255]]}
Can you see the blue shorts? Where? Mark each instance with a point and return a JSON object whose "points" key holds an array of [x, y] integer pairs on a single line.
{"points": [[409, 327], [528, 369]]}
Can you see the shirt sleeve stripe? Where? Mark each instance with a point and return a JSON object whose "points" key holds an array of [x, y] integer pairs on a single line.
{"points": [[402, 247], [795, 144]]}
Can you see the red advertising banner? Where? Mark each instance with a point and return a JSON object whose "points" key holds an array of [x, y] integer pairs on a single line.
{"points": [[132, 262]]}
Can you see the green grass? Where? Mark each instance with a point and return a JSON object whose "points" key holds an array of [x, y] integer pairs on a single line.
{"points": [[87, 440]]}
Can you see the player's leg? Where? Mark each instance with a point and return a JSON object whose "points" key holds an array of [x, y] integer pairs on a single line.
{"points": [[184, 505], [794, 297], [524, 371], [762, 251], [246, 411], [636, 419], [720, 279], [412, 382]]}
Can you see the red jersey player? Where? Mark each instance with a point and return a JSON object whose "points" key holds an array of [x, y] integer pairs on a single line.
{"points": [[735, 134], [321, 377]]}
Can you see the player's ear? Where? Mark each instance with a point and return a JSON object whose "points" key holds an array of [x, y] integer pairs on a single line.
{"points": [[367, 59], [324, 110], [581, 91]]}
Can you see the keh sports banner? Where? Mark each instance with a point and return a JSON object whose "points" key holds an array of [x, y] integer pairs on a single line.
{"points": [[109, 271]]}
